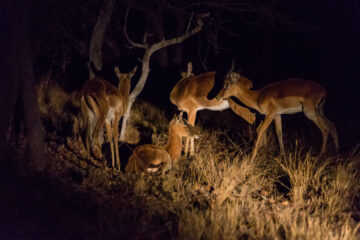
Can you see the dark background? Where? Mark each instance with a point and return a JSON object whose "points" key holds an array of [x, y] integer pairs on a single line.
{"points": [[268, 40]]}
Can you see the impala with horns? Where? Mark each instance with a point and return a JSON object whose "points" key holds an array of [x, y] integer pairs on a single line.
{"points": [[150, 158], [102, 103], [284, 97], [190, 95]]}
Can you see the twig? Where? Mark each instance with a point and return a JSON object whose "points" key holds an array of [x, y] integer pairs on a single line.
{"points": [[188, 26], [134, 44]]}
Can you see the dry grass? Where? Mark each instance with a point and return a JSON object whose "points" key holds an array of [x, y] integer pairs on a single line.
{"points": [[60, 110], [220, 194]]}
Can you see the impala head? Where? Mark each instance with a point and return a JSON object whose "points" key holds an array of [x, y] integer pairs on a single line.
{"points": [[232, 81], [124, 76], [182, 127]]}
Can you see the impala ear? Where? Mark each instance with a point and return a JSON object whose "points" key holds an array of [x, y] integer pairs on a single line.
{"points": [[117, 71], [132, 73], [176, 116], [251, 84]]}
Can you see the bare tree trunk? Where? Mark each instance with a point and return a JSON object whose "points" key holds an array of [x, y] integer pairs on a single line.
{"points": [[9, 90], [20, 79], [98, 34], [145, 69], [149, 50], [33, 124]]}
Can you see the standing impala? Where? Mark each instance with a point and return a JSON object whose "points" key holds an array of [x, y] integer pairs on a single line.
{"points": [[149, 157], [101, 102], [190, 95], [284, 97]]}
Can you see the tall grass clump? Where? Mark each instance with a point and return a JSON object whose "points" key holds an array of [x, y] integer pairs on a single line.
{"points": [[148, 120], [322, 197], [60, 110]]}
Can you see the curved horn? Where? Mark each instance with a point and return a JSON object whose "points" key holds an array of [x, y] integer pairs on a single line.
{"points": [[189, 69], [232, 66]]}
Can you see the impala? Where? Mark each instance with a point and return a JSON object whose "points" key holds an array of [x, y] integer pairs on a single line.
{"points": [[149, 157], [190, 95], [284, 97], [101, 102]]}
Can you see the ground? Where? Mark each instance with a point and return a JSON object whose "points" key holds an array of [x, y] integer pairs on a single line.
{"points": [[216, 194]]}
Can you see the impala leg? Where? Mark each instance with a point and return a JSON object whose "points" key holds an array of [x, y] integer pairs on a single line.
{"points": [[263, 140], [241, 111], [261, 130], [87, 140], [315, 117], [333, 132], [90, 129], [100, 110], [192, 146], [191, 120], [187, 141], [278, 126], [88, 121], [116, 138], [130, 167], [167, 162], [324, 133], [110, 139], [187, 144], [329, 125]]}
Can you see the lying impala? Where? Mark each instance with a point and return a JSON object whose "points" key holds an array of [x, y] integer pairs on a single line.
{"points": [[190, 95], [150, 158], [101, 102], [284, 97]]}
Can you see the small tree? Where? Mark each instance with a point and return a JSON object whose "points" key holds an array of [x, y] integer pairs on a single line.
{"points": [[149, 50]]}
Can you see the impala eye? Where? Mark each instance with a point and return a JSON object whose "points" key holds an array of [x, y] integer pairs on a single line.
{"points": [[226, 85]]}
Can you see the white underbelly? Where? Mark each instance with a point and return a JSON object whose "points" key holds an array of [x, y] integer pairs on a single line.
{"points": [[222, 106], [110, 114], [290, 110]]}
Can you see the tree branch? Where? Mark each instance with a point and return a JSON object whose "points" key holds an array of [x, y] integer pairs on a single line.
{"points": [[133, 44], [145, 69], [165, 43]]}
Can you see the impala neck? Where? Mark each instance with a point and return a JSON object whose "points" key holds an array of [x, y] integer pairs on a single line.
{"points": [[124, 87], [174, 145], [248, 97]]}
